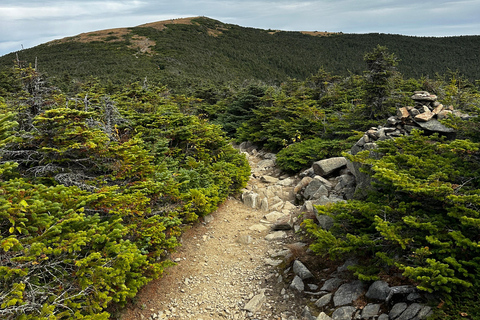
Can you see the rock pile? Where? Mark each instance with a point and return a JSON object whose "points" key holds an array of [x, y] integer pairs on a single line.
{"points": [[424, 115], [334, 296]]}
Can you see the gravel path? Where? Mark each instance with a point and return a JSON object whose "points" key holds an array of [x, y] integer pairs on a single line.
{"points": [[223, 263]]}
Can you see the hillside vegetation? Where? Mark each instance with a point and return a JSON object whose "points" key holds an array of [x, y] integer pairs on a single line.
{"points": [[98, 180], [189, 53]]}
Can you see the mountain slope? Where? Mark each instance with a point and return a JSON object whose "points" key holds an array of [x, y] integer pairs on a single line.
{"points": [[184, 52]]}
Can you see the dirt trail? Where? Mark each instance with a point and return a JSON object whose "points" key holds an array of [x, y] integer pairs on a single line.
{"points": [[221, 266]]}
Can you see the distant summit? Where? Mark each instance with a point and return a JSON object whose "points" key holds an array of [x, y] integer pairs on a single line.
{"points": [[190, 52]]}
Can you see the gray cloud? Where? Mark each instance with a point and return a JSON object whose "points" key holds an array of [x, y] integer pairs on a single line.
{"points": [[32, 22]]}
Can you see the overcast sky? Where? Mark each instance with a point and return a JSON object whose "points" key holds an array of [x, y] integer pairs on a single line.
{"points": [[31, 22]]}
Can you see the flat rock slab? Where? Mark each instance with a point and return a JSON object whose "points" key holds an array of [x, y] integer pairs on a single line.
{"points": [[331, 284], [275, 215], [371, 310], [436, 126], [255, 303], [410, 312], [277, 235], [327, 166], [347, 293], [397, 310], [258, 227]]}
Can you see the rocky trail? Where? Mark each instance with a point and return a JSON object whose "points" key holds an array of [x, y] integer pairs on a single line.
{"points": [[230, 266], [250, 258]]}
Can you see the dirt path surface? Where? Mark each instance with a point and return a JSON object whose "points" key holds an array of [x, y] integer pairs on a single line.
{"points": [[226, 269]]}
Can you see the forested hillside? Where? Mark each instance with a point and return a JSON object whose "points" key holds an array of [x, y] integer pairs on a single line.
{"points": [[195, 52], [98, 180]]}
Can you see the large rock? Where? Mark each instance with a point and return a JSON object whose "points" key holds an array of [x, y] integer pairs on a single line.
{"points": [[300, 270], [379, 290], [347, 293], [326, 167]]}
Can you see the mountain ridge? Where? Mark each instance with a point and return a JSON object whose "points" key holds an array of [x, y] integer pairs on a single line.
{"points": [[198, 50]]}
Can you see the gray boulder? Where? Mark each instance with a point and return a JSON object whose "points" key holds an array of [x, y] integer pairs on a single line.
{"points": [[379, 290], [326, 167], [347, 293]]}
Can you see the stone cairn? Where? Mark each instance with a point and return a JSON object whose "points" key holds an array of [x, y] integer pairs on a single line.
{"points": [[424, 115]]}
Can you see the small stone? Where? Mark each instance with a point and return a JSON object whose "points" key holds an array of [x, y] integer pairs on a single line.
{"points": [[297, 284], [331, 284], [208, 219], [424, 117], [300, 270], [258, 227], [323, 316], [371, 310], [343, 313], [403, 113], [268, 179], [277, 235], [324, 300], [245, 239], [255, 303], [438, 109]]}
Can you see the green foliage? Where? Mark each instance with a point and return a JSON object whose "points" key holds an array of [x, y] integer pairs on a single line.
{"points": [[89, 210], [422, 218], [301, 155]]}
